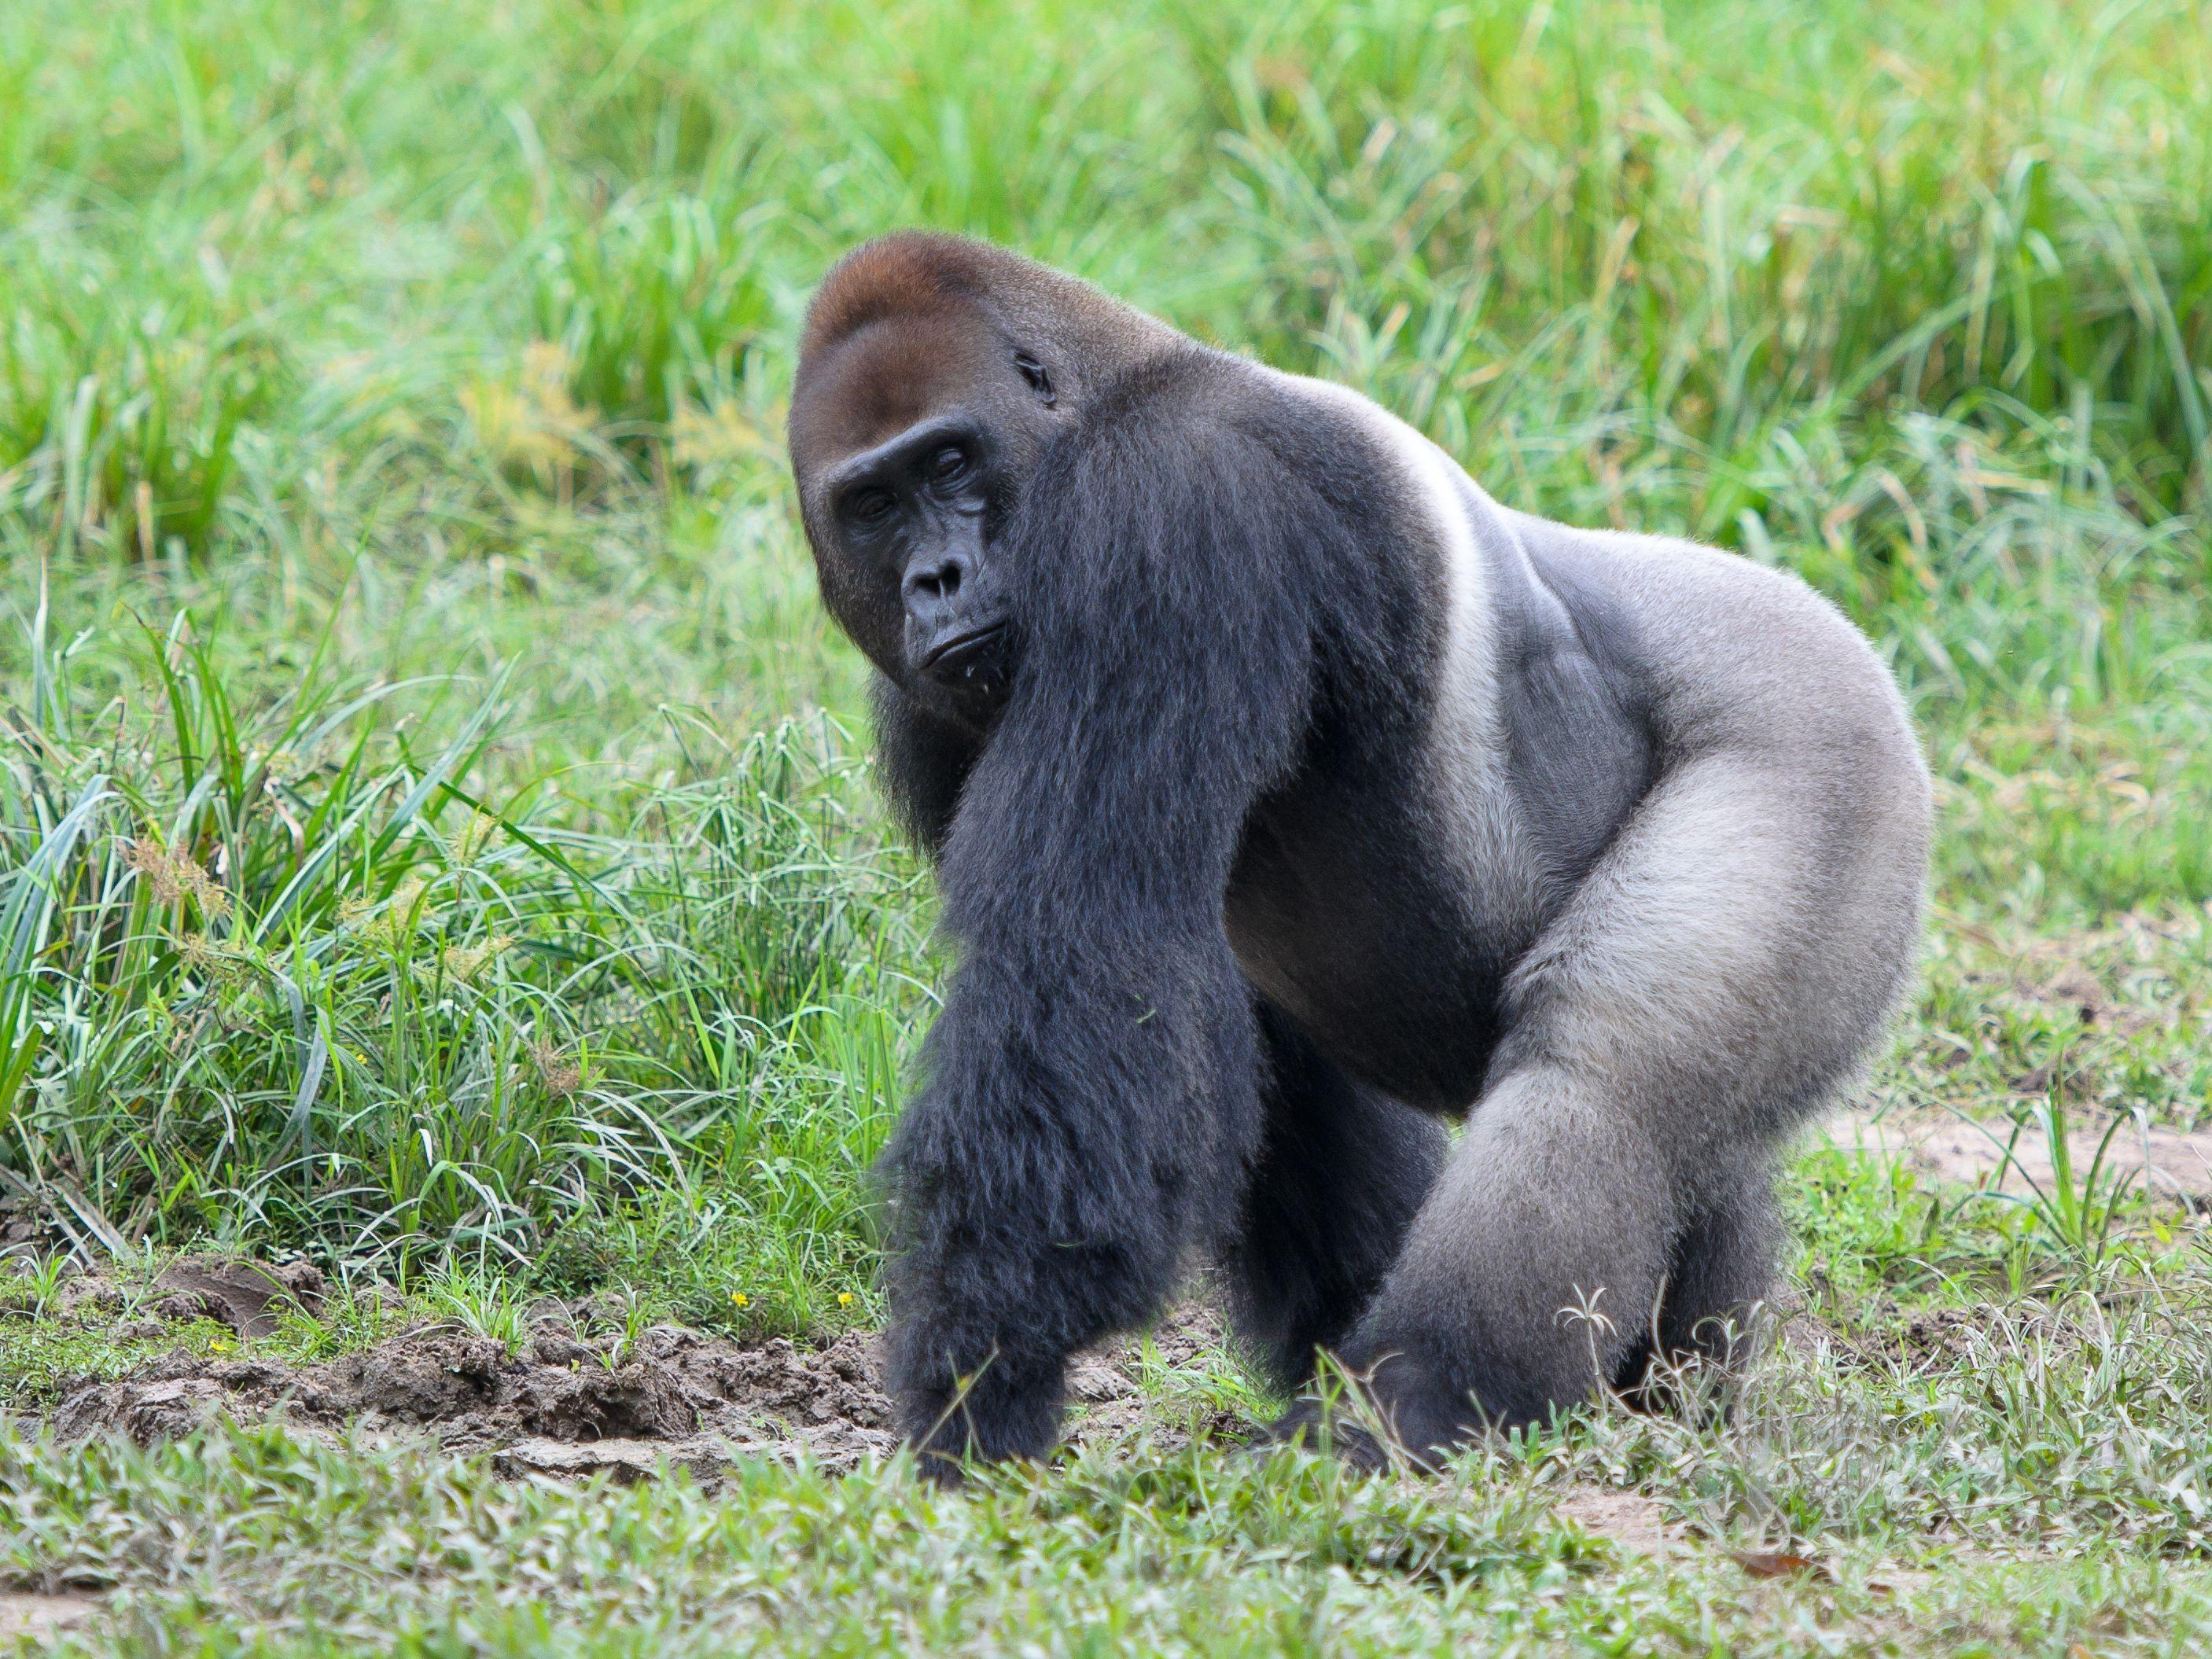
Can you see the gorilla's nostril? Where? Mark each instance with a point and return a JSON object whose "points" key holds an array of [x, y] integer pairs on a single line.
{"points": [[936, 584]]}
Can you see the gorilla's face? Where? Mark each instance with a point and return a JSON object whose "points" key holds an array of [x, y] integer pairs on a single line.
{"points": [[911, 443]]}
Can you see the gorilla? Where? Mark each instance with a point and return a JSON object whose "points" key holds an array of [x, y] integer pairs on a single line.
{"points": [[1290, 798]]}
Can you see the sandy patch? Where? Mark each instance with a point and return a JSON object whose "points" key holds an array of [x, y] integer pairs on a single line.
{"points": [[2168, 1162], [24, 1615], [1629, 1519]]}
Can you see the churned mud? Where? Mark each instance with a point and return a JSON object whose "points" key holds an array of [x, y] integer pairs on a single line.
{"points": [[673, 1394], [566, 1402]]}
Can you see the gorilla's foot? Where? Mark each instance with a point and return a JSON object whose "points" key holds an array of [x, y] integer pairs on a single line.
{"points": [[1327, 1428], [1396, 1410], [945, 1453]]}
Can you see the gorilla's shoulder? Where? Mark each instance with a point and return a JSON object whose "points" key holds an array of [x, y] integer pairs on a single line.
{"points": [[1190, 383]]}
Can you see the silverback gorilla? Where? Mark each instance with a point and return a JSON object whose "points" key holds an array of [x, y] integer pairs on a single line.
{"points": [[1290, 796]]}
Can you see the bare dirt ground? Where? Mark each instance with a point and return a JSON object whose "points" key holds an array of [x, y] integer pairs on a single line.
{"points": [[562, 1402], [1633, 1520], [42, 1616], [566, 1401], [2170, 1162]]}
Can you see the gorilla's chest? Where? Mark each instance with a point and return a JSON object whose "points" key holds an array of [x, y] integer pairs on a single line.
{"points": [[1347, 912], [1436, 825]]}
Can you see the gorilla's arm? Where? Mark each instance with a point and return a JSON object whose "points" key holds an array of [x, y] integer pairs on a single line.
{"points": [[1093, 1100]]}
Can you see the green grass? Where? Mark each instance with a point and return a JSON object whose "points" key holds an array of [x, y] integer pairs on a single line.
{"points": [[435, 837]]}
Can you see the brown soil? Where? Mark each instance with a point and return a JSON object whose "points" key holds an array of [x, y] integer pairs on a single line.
{"points": [[244, 1295], [1928, 1343], [574, 1404]]}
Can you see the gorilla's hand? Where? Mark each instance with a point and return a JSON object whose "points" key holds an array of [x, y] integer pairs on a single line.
{"points": [[1079, 1123]]}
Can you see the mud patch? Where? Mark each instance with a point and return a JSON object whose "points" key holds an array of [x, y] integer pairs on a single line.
{"points": [[696, 1398], [1105, 1394], [570, 1403], [247, 1296]]}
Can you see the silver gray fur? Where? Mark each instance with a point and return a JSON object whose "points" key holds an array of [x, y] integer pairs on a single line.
{"points": [[1712, 982]]}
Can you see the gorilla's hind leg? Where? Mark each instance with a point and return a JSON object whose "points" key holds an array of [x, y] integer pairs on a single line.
{"points": [[1669, 1026], [1342, 1171], [1723, 1267], [1722, 1270]]}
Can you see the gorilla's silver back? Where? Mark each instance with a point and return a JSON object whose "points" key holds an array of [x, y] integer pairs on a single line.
{"points": [[1783, 887]]}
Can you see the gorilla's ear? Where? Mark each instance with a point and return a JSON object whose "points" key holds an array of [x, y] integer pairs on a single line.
{"points": [[1161, 594]]}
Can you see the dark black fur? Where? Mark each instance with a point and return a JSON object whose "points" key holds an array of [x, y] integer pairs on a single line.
{"points": [[1342, 1170], [1095, 1106]]}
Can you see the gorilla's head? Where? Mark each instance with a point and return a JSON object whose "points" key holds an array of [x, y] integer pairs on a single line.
{"points": [[911, 438], [933, 375]]}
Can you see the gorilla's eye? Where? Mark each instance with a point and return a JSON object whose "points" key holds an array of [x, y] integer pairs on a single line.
{"points": [[871, 506], [1034, 372], [948, 463]]}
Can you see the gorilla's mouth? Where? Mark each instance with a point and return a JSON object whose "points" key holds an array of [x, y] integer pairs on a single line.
{"points": [[959, 656]]}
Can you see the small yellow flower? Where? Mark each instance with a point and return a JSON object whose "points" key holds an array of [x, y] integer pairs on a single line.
{"points": [[844, 1298], [741, 1299]]}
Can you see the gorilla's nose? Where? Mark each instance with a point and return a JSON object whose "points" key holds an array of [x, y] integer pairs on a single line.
{"points": [[931, 586]]}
